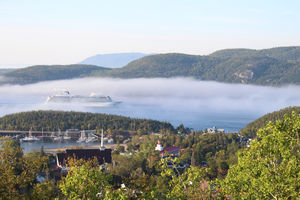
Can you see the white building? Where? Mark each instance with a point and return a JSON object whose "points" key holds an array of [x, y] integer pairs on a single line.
{"points": [[158, 146]]}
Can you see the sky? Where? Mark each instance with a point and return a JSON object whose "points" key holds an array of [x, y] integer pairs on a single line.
{"points": [[65, 32]]}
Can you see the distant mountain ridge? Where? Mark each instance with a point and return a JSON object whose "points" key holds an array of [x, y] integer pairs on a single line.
{"points": [[39, 73], [275, 66], [115, 60], [6, 70], [289, 54]]}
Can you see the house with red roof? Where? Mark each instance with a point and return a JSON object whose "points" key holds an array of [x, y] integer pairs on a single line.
{"points": [[172, 150]]}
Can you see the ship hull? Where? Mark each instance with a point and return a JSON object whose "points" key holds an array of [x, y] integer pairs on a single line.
{"points": [[87, 101]]}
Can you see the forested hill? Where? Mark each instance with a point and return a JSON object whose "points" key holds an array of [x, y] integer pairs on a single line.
{"points": [[39, 73], [277, 66], [287, 54], [251, 129], [6, 70], [52, 120]]}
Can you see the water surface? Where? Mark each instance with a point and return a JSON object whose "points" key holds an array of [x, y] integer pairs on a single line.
{"points": [[196, 104]]}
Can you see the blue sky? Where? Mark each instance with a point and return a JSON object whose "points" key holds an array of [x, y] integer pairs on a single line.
{"points": [[67, 31]]}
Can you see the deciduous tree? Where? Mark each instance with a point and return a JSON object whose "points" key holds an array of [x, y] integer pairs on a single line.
{"points": [[84, 180], [270, 168]]}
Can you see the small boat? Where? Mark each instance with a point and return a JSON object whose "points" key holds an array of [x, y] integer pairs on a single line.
{"points": [[66, 136], [81, 140], [58, 137], [91, 139], [30, 138], [82, 137]]}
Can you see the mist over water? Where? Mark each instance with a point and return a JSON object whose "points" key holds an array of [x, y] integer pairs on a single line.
{"points": [[196, 104]]}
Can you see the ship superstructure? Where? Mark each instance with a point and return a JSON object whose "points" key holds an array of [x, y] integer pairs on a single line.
{"points": [[92, 99]]}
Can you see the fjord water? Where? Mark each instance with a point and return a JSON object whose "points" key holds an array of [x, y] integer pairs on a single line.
{"points": [[196, 104]]}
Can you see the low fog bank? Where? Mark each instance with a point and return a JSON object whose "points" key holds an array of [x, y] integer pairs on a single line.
{"points": [[188, 99]]}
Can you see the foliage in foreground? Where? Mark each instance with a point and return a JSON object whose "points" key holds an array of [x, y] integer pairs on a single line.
{"points": [[270, 168], [18, 173], [191, 184], [85, 180]]}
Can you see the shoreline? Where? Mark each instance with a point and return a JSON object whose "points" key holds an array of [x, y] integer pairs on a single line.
{"points": [[55, 150]]}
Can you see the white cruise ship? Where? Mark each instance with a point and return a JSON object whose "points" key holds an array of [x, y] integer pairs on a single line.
{"points": [[92, 100]]}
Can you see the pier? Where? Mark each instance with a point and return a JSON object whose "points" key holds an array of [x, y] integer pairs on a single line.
{"points": [[21, 133], [71, 132]]}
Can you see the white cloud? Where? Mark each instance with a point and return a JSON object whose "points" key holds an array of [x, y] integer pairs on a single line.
{"points": [[180, 100]]}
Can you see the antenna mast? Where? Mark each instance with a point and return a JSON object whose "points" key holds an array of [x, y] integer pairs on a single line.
{"points": [[102, 148]]}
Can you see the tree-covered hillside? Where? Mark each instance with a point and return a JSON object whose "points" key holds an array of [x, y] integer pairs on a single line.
{"points": [[276, 66], [6, 70], [228, 53], [53, 120], [39, 73], [289, 54], [164, 65], [251, 129]]}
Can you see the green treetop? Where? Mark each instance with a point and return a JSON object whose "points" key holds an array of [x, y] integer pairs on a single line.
{"points": [[270, 168]]}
